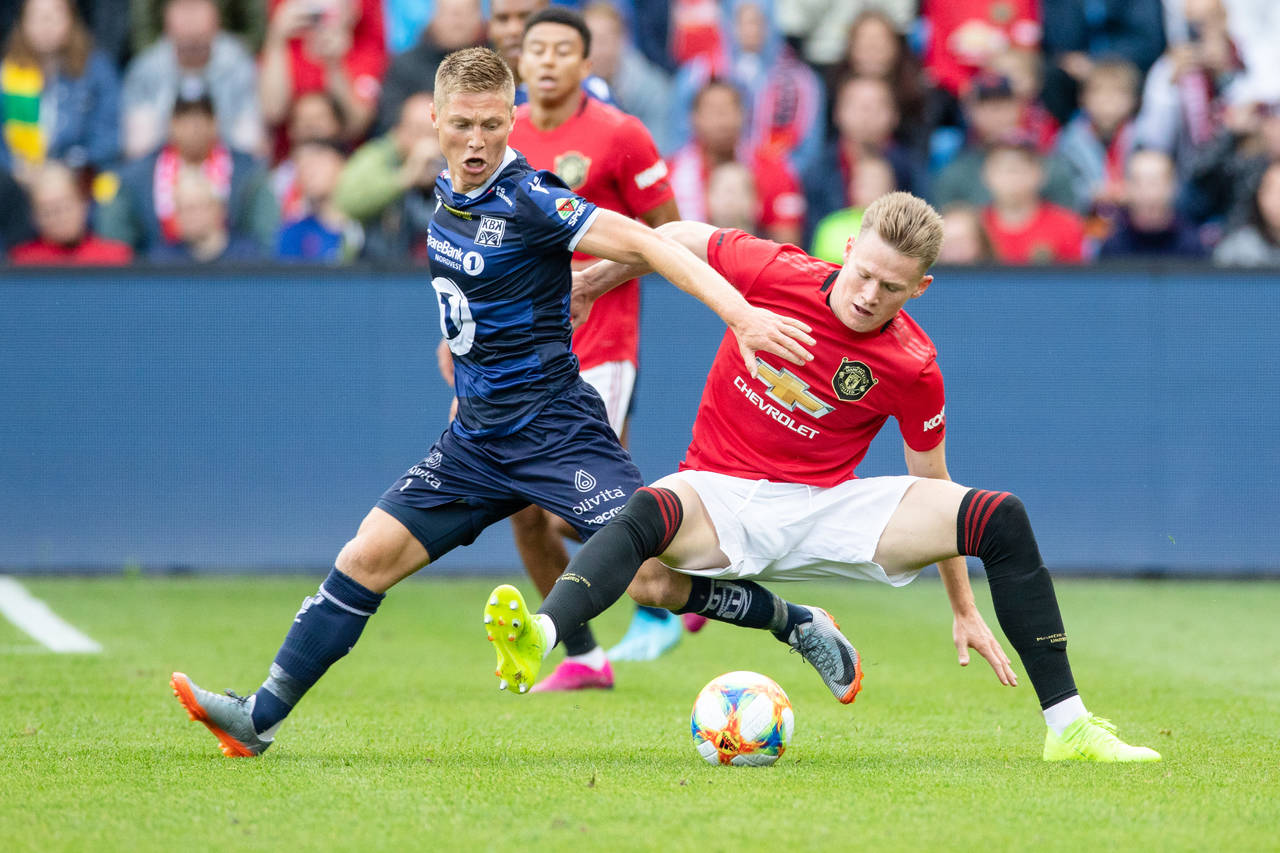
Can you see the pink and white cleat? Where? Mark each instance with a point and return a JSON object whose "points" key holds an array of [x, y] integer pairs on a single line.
{"points": [[693, 622], [571, 675]]}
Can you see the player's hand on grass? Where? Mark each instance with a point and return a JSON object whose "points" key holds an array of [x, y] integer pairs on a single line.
{"points": [[970, 631], [761, 330]]}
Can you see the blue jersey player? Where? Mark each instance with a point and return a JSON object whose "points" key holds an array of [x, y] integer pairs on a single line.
{"points": [[528, 429]]}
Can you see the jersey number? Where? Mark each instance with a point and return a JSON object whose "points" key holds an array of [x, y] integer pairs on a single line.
{"points": [[456, 324]]}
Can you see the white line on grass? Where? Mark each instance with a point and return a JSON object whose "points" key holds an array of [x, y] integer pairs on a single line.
{"points": [[35, 618]]}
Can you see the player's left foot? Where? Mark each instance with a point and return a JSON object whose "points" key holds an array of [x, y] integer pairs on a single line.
{"points": [[820, 642], [1092, 738], [516, 636], [229, 717], [649, 636], [571, 675]]}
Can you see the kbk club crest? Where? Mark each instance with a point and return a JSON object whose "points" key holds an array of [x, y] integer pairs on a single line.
{"points": [[572, 167], [852, 381]]}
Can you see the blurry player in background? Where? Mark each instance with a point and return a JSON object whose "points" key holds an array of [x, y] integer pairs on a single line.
{"points": [[609, 159], [507, 21], [767, 490], [528, 429]]}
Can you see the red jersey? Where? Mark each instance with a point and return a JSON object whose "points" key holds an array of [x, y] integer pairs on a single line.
{"points": [[963, 34], [608, 158], [810, 424], [365, 62], [91, 251], [1053, 235]]}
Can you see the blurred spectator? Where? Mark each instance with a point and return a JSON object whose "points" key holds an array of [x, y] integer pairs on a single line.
{"points": [[718, 118], [334, 46], [15, 213], [62, 222], [315, 116], [877, 49], [1024, 68], [865, 118], [1149, 225], [696, 32], [325, 234], [1078, 33], [994, 115], [506, 29], [1254, 27], [1188, 88], [1225, 173], [200, 219], [143, 212], [246, 19], [963, 36], [1023, 227], [455, 24], [107, 20], [873, 177], [387, 184], [820, 27], [1095, 145], [731, 198], [964, 237], [784, 97], [193, 46], [638, 86], [405, 21], [59, 97], [1257, 242]]}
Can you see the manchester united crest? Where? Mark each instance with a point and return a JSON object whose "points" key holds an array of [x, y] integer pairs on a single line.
{"points": [[852, 381], [572, 168]]}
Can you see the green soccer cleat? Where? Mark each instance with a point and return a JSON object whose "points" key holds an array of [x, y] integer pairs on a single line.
{"points": [[1092, 738], [517, 636]]}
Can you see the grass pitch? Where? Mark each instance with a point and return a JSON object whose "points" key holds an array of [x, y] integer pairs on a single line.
{"points": [[408, 745]]}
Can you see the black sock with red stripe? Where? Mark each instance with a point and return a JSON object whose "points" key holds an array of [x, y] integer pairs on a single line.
{"points": [[603, 568], [994, 526]]}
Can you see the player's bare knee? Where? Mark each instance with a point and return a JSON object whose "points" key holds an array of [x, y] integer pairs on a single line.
{"points": [[655, 585]]}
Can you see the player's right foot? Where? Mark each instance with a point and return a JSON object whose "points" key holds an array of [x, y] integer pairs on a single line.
{"points": [[820, 642], [516, 636], [571, 675], [229, 717], [1092, 738]]}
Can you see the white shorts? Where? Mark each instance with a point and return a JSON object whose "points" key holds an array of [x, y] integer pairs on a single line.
{"points": [[614, 381], [791, 532]]}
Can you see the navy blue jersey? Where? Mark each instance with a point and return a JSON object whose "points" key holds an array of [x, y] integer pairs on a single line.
{"points": [[500, 268]]}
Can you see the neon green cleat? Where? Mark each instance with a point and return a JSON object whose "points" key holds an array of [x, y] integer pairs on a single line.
{"points": [[1092, 738], [517, 636]]}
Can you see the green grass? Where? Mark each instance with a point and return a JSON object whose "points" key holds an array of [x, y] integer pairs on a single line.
{"points": [[408, 745]]}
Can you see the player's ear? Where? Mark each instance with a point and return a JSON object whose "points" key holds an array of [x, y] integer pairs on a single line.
{"points": [[435, 122], [848, 248], [925, 281]]}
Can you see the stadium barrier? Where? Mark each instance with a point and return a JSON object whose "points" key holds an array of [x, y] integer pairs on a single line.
{"points": [[246, 420]]}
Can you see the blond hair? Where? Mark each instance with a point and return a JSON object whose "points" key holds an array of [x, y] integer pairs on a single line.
{"points": [[908, 225], [474, 70]]}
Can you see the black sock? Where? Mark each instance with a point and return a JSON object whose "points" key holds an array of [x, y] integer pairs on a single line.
{"points": [[579, 642], [995, 527], [604, 567], [744, 603]]}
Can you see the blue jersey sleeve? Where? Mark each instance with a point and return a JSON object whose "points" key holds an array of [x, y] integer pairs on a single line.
{"points": [[551, 215]]}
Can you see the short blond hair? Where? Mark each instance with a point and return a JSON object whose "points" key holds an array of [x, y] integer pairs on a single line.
{"points": [[908, 224], [474, 70]]}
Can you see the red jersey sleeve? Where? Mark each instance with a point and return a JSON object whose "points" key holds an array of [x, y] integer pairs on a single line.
{"points": [[739, 257], [921, 413], [641, 172]]}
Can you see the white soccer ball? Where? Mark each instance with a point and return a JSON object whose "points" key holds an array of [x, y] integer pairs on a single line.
{"points": [[742, 718]]}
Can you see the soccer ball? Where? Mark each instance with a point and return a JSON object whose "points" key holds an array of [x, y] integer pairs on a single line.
{"points": [[742, 718]]}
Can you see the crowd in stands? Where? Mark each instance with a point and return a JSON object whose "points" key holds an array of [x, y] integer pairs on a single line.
{"points": [[1047, 131]]}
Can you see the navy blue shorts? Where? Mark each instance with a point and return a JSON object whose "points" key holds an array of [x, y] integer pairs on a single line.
{"points": [[566, 460]]}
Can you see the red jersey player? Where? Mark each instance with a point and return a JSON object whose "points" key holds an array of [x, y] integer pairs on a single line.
{"points": [[610, 159], [768, 491]]}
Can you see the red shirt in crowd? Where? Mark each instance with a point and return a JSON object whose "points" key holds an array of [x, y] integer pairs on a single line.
{"points": [[781, 201], [963, 34], [810, 424], [610, 159], [91, 251], [365, 63], [1053, 235]]}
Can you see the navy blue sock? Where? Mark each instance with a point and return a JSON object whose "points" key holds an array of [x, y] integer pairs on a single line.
{"points": [[325, 629], [744, 603]]}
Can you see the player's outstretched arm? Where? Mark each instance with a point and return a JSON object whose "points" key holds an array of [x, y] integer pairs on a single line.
{"points": [[968, 630], [637, 250]]}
